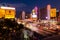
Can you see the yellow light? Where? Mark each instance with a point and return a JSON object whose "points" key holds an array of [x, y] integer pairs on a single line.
{"points": [[7, 12], [10, 14], [7, 8], [19, 22], [33, 11], [2, 12], [48, 7], [53, 12], [23, 23]]}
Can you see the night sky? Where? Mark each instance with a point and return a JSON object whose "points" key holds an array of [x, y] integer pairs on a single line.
{"points": [[28, 5]]}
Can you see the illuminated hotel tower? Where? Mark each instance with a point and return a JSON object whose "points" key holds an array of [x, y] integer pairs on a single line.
{"points": [[48, 12], [36, 10], [34, 16], [23, 15]]}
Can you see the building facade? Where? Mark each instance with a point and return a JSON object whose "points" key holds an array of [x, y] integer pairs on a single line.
{"points": [[43, 13], [7, 12]]}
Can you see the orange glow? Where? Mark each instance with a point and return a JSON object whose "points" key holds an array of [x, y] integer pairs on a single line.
{"points": [[53, 12], [33, 11], [2, 12], [10, 14], [34, 18], [48, 7], [7, 12]]}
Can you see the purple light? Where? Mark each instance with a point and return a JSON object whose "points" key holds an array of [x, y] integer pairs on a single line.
{"points": [[36, 9], [46, 17]]}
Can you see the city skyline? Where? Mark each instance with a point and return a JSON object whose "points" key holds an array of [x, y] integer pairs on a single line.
{"points": [[28, 5]]}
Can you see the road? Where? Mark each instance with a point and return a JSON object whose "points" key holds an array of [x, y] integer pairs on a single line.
{"points": [[42, 31]]}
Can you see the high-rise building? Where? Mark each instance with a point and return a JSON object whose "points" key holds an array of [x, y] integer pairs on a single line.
{"points": [[53, 13], [48, 11], [34, 15], [23, 15], [58, 16], [27, 16], [59, 13], [36, 10], [43, 13], [20, 16], [30, 15]]}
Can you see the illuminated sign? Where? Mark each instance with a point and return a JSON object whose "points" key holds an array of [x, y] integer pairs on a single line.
{"points": [[34, 16], [7, 12], [53, 12], [10, 14], [33, 11]]}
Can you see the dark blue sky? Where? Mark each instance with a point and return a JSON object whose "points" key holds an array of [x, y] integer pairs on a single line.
{"points": [[28, 5]]}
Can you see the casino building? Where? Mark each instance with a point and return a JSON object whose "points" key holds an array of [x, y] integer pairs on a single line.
{"points": [[7, 12]]}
